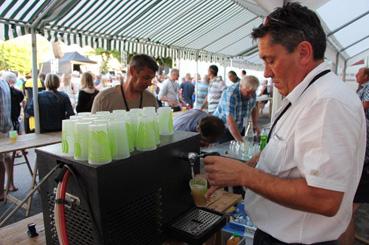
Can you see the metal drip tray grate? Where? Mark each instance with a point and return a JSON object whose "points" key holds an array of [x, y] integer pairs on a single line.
{"points": [[196, 226]]}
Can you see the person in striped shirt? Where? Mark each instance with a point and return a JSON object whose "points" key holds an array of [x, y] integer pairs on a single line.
{"points": [[215, 90], [201, 91]]}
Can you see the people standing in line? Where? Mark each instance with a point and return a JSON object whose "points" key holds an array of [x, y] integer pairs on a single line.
{"points": [[238, 102], [215, 90], [201, 92], [232, 76], [87, 93], [362, 192], [54, 106], [187, 90], [6, 163], [169, 91], [132, 93], [69, 88], [304, 183]]}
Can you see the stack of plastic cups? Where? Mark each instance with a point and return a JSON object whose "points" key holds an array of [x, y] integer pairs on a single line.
{"points": [[98, 144], [131, 124], [150, 112], [81, 140], [165, 121], [136, 111], [118, 137], [102, 113], [84, 114], [118, 114], [68, 137], [146, 139]]}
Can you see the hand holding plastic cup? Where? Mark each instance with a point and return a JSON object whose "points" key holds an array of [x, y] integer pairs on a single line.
{"points": [[13, 136], [199, 187]]}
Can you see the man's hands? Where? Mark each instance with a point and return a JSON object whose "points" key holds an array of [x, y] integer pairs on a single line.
{"points": [[221, 172]]}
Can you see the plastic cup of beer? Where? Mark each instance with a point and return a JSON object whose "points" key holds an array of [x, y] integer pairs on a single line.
{"points": [[199, 187], [13, 136]]}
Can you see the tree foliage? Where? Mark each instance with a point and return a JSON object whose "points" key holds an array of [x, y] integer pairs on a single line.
{"points": [[15, 58], [105, 56]]}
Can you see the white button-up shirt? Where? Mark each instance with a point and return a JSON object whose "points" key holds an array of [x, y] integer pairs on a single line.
{"points": [[321, 138]]}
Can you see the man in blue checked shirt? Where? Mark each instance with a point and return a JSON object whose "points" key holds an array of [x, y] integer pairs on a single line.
{"points": [[237, 103], [362, 78]]}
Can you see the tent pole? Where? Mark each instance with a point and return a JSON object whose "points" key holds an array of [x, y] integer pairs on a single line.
{"points": [[35, 84]]}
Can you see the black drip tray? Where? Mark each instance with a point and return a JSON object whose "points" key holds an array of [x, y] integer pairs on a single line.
{"points": [[196, 225]]}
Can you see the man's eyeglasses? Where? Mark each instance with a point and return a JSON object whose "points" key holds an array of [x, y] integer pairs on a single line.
{"points": [[269, 21]]}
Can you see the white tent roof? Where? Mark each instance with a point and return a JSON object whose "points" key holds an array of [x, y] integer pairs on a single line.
{"points": [[211, 30]]}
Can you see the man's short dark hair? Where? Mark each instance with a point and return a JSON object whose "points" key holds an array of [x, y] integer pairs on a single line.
{"points": [[233, 73], [292, 24], [214, 70], [140, 61], [211, 127]]}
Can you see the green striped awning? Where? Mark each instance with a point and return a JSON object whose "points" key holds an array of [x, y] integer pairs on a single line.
{"points": [[206, 30]]}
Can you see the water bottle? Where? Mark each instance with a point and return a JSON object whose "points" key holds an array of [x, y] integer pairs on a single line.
{"points": [[249, 134], [263, 139]]}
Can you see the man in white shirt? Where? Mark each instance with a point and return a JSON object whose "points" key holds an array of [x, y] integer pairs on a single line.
{"points": [[169, 91], [302, 188]]}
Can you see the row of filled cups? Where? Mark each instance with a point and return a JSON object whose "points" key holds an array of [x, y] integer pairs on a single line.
{"points": [[102, 137]]}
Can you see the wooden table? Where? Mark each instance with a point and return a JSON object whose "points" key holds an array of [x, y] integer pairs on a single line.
{"points": [[16, 233], [24, 142]]}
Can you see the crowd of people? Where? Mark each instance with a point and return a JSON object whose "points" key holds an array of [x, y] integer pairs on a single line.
{"points": [[306, 184]]}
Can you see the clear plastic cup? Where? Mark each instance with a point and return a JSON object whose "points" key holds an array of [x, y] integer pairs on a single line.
{"points": [[165, 121], [84, 114], [98, 145], [119, 112], [131, 124], [102, 113], [68, 137], [149, 110], [199, 187], [146, 139], [136, 111], [13, 134], [118, 137], [81, 134]]}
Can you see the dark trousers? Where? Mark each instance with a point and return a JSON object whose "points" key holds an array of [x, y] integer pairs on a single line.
{"points": [[262, 238]]}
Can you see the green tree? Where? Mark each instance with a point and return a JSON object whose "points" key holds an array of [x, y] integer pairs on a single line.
{"points": [[15, 58], [105, 56]]}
